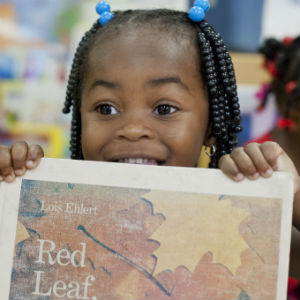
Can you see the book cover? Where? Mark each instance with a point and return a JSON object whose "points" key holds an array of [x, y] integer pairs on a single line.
{"points": [[119, 231]]}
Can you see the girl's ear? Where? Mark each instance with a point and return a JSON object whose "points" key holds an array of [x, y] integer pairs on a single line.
{"points": [[209, 138]]}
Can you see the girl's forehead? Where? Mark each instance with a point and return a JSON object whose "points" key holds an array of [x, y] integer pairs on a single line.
{"points": [[142, 43], [141, 56], [155, 31]]}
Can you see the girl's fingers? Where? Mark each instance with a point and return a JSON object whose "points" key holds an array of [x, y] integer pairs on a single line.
{"points": [[254, 160], [6, 169], [18, 157], [244, 163], [271, 152], [263, 167], [34, 155], [229, 167], [15, 160]]}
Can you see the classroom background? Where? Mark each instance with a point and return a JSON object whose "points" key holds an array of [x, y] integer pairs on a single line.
{"points": [[38, 39]]}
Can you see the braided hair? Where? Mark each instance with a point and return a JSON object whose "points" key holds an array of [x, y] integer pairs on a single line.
{"points": [[215, 66], [283, 62]]}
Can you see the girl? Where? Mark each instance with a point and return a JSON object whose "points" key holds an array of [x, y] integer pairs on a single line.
{"points": [[153, 87], [282, 61]]}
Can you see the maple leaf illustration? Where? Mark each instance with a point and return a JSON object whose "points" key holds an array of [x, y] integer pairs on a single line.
{"points": [[194, 225], [21, 234], [134, 230]]}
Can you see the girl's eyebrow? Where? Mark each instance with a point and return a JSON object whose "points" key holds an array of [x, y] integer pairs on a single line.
{"points": [[167, 80], [152, 82], [104, 83]]}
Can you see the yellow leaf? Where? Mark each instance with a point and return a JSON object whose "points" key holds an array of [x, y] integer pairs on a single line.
{"points": [[21, 234], [194, 225]]}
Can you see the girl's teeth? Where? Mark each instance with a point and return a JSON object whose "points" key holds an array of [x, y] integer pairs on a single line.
{"points": [[142, 161], [139, 161]]}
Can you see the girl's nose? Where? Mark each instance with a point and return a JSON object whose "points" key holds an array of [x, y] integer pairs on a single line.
{"points": [[134, 130]]}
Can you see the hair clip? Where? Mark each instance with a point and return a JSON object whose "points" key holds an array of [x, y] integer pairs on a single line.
{"points": [[290, 86], [197, 12], [284, 123], [103, 9], [287, 41], [272, 69], [204, 4]]}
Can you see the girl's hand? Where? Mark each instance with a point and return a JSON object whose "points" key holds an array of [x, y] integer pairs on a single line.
{"points": [[14, 161], [256, 160]]}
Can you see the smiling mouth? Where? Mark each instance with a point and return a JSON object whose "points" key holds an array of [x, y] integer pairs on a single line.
{"points": [[140, 161]]}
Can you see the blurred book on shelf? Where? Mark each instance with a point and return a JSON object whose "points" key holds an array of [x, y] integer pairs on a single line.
{"points": [[33, 62]]}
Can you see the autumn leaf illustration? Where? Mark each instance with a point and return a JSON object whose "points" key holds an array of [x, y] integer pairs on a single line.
{"points": [[149, 244], [194, 225], [21, 233]]}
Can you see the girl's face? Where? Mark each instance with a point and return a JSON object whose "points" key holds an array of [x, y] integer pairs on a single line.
{"points": [[143, 101]]}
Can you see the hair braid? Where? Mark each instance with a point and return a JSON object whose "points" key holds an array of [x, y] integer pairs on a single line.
{"points": [[220, 78], [73, 93], [209, 69], [75, 143]]}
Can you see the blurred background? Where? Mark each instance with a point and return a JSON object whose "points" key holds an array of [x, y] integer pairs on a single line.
{"points": [[38, 39]]}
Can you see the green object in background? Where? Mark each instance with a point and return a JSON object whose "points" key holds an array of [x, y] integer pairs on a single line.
{"points": [[67, 19]]}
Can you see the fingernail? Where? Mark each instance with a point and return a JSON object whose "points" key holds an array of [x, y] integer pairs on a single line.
{"points": [[1, 178], [268, 173], [9, 178], [255, 175], [19, 172], [29, 164], [239, 176]]}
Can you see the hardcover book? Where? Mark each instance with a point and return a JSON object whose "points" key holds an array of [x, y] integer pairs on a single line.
{"points": [[95, 230]]}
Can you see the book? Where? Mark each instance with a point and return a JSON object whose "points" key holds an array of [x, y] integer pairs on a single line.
{"points": [[98, 230]]}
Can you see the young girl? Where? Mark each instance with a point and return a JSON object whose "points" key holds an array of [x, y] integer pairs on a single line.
{"points": [[153, 87], [282, 60]]}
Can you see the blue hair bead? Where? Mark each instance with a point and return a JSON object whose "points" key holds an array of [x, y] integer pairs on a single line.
{"points": [[105, 17], [204, 4], [102, 6], [196, 14]]}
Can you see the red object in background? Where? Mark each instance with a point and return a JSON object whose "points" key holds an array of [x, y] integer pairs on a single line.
{"points": [[287, 40], [284, 123], [265, 138], [290, 86], [293, 289], [271, 67]]}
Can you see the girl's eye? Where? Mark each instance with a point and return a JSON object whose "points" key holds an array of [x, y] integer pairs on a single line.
{"points": [[165, 109], [106, 109]]}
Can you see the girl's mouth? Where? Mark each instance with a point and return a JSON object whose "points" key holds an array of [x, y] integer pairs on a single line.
{"points": [[141, 161]]}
